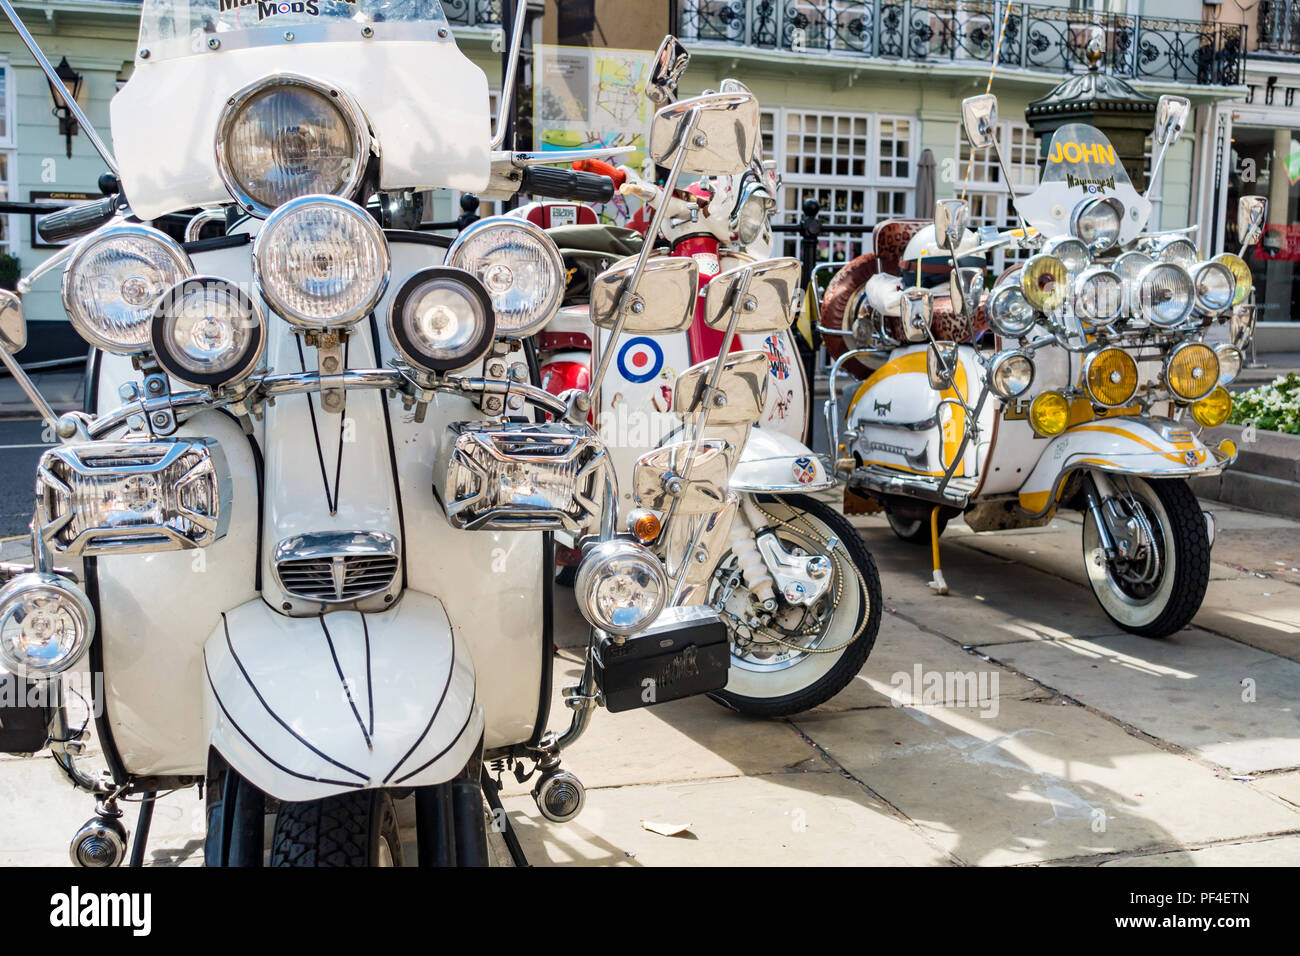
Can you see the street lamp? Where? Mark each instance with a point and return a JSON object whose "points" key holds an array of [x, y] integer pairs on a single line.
{"points": [[71, 80]]}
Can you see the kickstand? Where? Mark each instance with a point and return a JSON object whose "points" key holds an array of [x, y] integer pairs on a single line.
{"points": [[937, 582], [491, 791]]}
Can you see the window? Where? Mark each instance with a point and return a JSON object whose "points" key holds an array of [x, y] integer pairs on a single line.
{"points": [[985, 191], [8, 158], [860, 167]]}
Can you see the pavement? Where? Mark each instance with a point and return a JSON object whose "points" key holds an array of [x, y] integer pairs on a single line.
{"points": [[1081, 745]]}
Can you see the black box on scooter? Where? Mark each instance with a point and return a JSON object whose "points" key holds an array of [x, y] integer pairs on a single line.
{"points": [[24, 716], [683, 653]]}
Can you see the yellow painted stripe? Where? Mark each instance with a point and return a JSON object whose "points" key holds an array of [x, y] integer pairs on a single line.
{"points": [[951, 433]]}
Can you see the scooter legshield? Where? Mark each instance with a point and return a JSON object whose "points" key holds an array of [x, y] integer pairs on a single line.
{"points": [[310, 707]]}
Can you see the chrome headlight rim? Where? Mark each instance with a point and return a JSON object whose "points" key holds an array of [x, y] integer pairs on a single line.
{"points": [[1062, 248], [998, 361], [1085, 375], [339, 99], [1046, 298], [299, 319], [1240, 270], [1208, 266], [753, 192], [1149, 314], [1098, 320], [995, 310], [599, 558], [400, 335], [245, 361], [552, 255], [1163, 250], [1177, 350], [1236, 359], [1087, 206], [71, 597], [179, 257]]}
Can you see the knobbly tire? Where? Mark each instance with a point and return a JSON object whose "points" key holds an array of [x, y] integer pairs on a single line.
{"points": [[850, 661], [351, 829], [1188, 541]]}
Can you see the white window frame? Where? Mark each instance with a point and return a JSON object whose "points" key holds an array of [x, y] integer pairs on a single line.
{"points": [[870, 184], [9, 145]]}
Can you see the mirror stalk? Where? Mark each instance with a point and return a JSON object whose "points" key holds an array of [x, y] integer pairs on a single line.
{"points": [[29, 388], [512, 71]]}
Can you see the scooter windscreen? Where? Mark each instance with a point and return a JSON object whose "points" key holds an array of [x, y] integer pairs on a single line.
{"points": [[1082, 167]]}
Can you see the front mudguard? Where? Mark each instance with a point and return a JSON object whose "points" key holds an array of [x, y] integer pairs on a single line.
{"points": [[774, 463], [309, 707], [1128, 445]]}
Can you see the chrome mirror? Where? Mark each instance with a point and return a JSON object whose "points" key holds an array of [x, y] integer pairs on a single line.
{"points": [[979, 118], [1241, 327], [657, 481], [763, 304], [715, 134], [666, 71], [940, 363], [13, 327], [1171, 117], [964, 288], [740, 393], [950, 219], [1251, 211], [917, 307], [662, 303]]}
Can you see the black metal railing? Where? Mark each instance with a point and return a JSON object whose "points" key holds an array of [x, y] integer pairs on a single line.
{"points": [[473, 13], [1279, 26], [1050, 39]]}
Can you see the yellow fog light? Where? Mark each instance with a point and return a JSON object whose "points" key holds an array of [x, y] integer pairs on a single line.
{"points": [[1228, 449], [1045, 282], [1241, 272], [1111, 377], [1213, 410], [1049, 413], [1192, 371]]}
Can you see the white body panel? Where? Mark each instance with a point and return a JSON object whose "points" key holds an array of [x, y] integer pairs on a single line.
{"points": [[305, 708], [774, 463], [426, 102]]}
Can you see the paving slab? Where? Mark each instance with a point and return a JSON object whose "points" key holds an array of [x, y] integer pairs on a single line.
{"points": [[1285, 786], [680, 740], [1278, 851], [1039, 781], [1193, 689], [889, 676], [788, 819]]}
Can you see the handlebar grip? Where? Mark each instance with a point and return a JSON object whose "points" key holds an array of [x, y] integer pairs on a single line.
{"points": [[601, 168], [557, 183], [76, 220]]}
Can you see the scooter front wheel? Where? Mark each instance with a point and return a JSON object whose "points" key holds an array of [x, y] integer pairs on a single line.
{"points": [[1157, 586], [795, 657], [351, 829]]}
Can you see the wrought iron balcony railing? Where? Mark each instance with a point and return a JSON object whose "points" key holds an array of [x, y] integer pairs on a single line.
{"points": [[1050, 39], [1279, 26]]}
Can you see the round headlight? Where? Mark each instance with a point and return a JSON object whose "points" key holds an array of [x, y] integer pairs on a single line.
{"points": [[1098, 296], [441, 319], [1072, 252], [1009, 312], [1011, 373], [1213, 410], [113, 280], [1049, 413], [1111, 377], [1230, 362], [520, 267], [321, 262], [288, 136], [1165, 293], [751, 217], [1128, 266], [1241, 273], [45, 624], [621, 587], [1215, 286], [1178, 250], [1045, 282], [1191, 371], [207, 332], [1096, 222]]}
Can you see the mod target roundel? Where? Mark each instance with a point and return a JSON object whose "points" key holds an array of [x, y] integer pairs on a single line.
{"points": [[640, 359]]}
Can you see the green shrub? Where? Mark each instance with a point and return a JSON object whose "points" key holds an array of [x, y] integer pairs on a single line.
{"points": [[1274, 407]]}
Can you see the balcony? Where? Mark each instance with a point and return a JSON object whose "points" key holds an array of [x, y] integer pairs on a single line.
{"points": [[1279, 26], [1039, 38]]}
